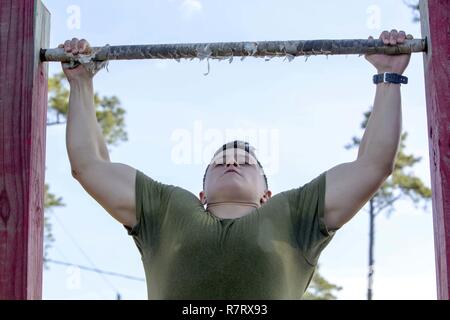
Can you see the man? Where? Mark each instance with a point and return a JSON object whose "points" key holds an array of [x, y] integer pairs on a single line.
{"points": [[245, 244]]}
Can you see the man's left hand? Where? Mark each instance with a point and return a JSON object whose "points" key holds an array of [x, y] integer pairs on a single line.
{"points": [[390, 63]]}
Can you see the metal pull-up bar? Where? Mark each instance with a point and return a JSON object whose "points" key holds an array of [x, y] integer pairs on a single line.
{"points": [[225, 50]]}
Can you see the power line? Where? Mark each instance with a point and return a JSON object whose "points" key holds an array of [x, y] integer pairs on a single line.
{"points": [[84, 253], [110, 273]]}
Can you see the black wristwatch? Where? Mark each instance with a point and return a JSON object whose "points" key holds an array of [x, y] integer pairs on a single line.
{"points": [[390, 77]]}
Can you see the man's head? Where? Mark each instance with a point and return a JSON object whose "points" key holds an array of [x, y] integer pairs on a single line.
{"points": [[235, 175]]}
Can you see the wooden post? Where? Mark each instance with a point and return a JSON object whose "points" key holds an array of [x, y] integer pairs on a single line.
{"points": [[24, 29], [435, 26]]}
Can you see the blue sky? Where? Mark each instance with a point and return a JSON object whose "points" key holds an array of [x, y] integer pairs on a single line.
{"points": [[298, 115]]}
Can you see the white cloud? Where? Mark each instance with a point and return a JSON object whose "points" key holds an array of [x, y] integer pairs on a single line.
{"points": [[190, 7]]}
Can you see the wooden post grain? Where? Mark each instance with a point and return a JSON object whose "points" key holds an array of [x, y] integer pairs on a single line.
{"points": [[24, 29], [435, 24]]}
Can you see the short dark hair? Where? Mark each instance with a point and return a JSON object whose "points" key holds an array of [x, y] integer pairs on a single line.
{"points": [[237, 144]]}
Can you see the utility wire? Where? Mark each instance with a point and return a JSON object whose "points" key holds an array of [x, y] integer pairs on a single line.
{"points": [[110, 273], [84, 254]]}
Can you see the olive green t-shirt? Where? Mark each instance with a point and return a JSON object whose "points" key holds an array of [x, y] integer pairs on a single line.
{"points": [[188, 253]]}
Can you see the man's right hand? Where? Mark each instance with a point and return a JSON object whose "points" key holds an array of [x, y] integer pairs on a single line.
{"points": [[76, 47]]}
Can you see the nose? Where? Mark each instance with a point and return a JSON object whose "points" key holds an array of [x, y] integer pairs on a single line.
{"points": [[232, 161]]}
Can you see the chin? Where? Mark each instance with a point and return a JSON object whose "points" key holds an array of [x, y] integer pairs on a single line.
{"points": [[234, 192]]}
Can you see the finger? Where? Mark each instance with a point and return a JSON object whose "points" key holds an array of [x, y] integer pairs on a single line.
{"points": [[393, 37], [74, 45], [83, 46], [67, 47], [385, 37], [401, 36]]}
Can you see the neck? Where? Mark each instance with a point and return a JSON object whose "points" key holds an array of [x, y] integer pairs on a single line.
{"points": [[231, 210]]}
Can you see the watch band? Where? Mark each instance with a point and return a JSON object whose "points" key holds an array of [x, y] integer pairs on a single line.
{"points": [[389, 77]]}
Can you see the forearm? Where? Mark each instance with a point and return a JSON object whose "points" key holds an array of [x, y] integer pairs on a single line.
{"points": [[84, 139], [382, 135]]}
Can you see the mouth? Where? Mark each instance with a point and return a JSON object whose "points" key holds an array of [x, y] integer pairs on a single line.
{"points": [[232, 171]]}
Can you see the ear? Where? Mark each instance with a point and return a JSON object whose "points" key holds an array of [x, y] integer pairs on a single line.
{"points": [[266, 196], [202, 197]]}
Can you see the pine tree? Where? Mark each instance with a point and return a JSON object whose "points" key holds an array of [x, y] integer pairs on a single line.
{"points": [[400, 184]]}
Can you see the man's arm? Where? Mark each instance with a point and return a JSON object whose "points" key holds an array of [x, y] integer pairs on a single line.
{"points": [[112, 185], [84, 141], [350, 185]]}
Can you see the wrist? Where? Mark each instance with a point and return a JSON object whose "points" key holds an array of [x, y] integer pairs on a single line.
{"points": [[387, 85], [81, 82], [380, 71]]}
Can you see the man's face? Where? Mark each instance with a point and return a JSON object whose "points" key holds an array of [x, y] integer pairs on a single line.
{"points": [[234, 176]]}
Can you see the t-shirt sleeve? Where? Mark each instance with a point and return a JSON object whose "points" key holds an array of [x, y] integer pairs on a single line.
{"points": [[152, 198], [307, 206]]}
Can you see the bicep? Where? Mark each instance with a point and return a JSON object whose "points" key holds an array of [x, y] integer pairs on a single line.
{"points": [[112, 185], [348, 188]]}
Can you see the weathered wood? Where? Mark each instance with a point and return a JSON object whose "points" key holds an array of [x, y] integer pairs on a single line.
{"points": [[24, 29], [225, 50], [435, 24]]}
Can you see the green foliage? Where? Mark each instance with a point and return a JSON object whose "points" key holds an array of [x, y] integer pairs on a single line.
{"points": [[414, 6], [320, 288], [110, 115], [58, 94], [400, 184], [50, 201], [111, 118]]}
